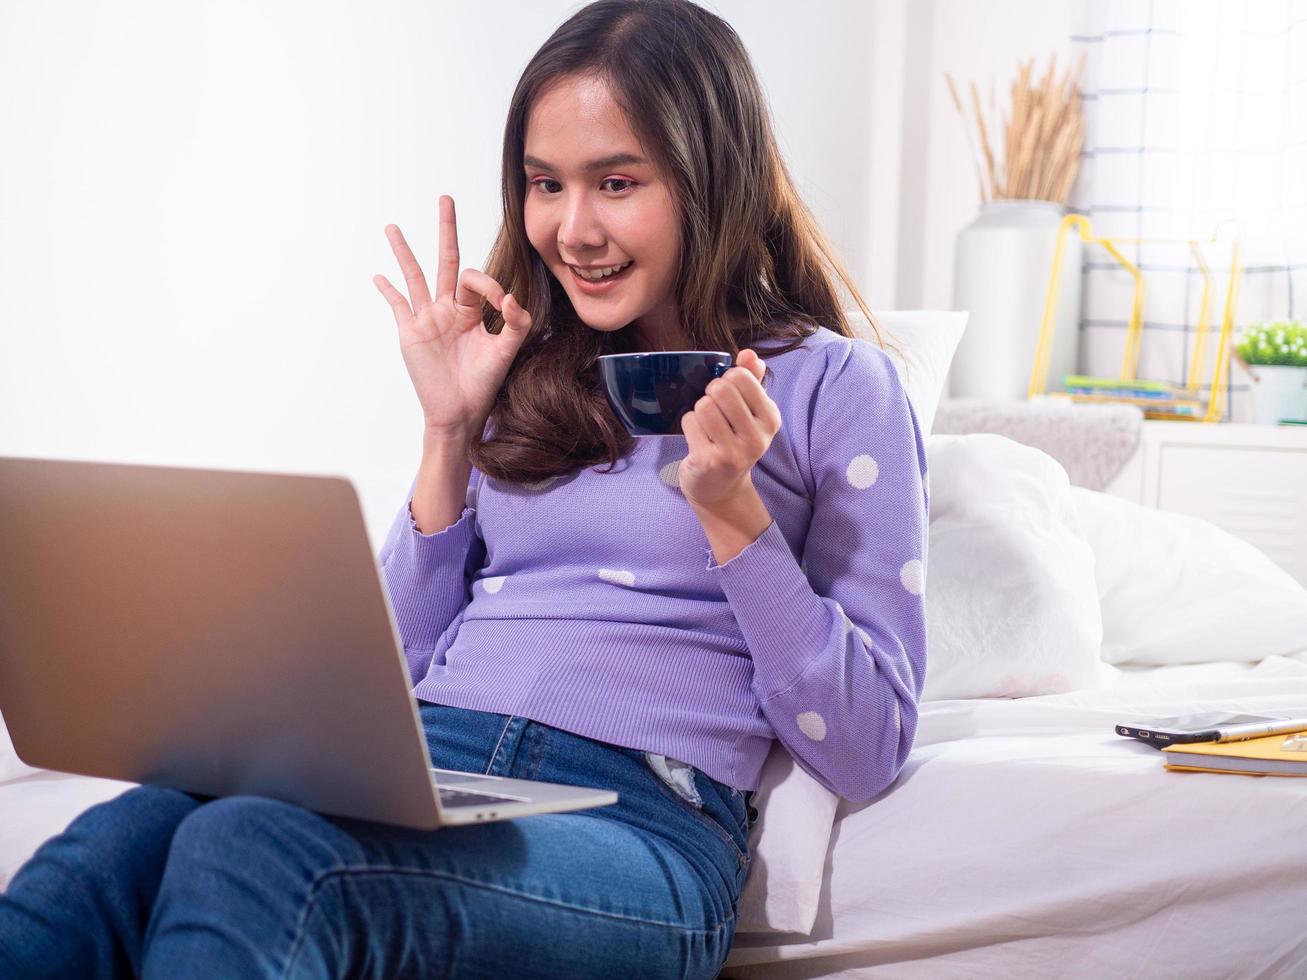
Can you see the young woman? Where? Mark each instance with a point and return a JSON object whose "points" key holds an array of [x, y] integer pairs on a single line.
{"points": [[650, 626]]}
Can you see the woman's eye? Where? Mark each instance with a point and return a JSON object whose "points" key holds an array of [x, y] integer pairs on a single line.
{"points": [[542, 181]]}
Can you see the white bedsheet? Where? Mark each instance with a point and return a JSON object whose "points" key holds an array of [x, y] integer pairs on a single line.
{"points": [[35, 807], [1026, 839]]}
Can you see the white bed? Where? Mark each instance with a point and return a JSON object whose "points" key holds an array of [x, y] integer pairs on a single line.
{"points": [[1024, 838]]}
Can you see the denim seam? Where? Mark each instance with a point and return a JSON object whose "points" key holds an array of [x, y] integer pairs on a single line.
{"points": [[301, 930], [529, 761], [495, 754], [301, 927], [541, 733], [706, 818]]}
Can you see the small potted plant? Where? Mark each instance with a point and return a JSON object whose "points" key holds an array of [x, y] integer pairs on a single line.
{"points": [[1275, 354]]}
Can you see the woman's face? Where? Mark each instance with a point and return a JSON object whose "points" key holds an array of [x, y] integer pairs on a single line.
{"points": [[593, 201]]}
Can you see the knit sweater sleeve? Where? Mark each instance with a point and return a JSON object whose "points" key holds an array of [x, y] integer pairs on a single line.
{"points": [[428, 576], [839, 654]]}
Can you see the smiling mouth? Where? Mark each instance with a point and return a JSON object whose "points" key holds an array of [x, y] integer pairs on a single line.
{"points": [[590, 279], [591, 273]]}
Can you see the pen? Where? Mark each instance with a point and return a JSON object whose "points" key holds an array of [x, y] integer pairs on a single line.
{"points": [[1238, 733]]}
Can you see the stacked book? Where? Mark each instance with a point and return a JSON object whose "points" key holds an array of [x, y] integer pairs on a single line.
{"points": [[1269, 755], [1158, 399]]}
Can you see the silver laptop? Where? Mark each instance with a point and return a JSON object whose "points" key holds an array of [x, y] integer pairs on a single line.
{"points": [[220, 632]]}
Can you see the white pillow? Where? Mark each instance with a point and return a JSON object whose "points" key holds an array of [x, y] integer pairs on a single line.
{"points": [[790, 839], [788, 843], [928, 339], [1177, 589], [1011, 605]]}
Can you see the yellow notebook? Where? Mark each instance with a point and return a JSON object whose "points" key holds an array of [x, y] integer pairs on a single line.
{"points": [[1268, 755]]}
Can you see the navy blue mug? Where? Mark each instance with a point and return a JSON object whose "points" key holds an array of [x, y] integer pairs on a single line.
{"points": [[650, 391]]}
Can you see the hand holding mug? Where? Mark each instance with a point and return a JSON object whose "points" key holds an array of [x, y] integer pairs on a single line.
{"points": [[728, 431]]}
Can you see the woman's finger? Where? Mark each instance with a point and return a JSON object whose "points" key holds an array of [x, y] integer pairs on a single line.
{"points": [[751, 391], [714, 424], [417, 282], [394, 297], [473, 285], [514, 314], [447, 265], [730, 400]]}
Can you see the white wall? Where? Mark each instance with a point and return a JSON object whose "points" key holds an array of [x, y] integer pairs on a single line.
{"points": [[192, 199], [972, 41]]}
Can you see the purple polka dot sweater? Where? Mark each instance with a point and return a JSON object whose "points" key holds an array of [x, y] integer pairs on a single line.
{"points": [[592, 601]]}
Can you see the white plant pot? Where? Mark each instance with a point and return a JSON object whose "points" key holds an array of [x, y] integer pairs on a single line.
{"points": [[1001, 267], [1280, 392]]}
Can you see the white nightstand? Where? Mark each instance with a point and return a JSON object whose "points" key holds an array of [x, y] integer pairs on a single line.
{"points": [[1250, 480]]}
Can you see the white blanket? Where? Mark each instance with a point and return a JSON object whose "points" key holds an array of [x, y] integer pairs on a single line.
{"points": [[1026, 838]]}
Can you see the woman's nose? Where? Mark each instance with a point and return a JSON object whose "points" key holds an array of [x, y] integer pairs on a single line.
{"points": [[579, 227]]}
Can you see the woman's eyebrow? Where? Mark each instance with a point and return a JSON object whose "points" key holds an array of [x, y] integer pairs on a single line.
{"points": [[600, 164]]}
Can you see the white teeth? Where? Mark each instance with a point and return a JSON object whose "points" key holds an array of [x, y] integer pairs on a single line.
{"points": [[597, 274]]}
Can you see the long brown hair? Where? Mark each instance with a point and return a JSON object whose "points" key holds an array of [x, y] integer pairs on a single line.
{"points": [[751, 258]]}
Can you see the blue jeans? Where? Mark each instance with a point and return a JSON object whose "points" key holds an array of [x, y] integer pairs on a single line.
{"points": [[164, 884]]}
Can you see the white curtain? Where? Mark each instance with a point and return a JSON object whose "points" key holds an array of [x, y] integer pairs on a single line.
{"points": [[1195, 112]]}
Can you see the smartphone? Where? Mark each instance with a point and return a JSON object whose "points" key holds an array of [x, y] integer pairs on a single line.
{"points": [[1199, 727]]}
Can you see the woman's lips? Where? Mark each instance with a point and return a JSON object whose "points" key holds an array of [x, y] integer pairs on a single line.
{"points": [[604, 285]]}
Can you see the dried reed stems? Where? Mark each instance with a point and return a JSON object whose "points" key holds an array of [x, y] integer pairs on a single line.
{"points": [[1041, 140]]}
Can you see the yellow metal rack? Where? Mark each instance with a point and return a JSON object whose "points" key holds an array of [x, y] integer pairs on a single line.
{"points": [[1165, 408]]}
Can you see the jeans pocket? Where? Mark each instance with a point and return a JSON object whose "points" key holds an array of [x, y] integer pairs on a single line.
{"points": [[679, 781], [677, 775]]}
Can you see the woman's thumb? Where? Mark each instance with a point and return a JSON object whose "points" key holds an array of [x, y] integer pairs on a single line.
{"points": [[514, 315]]}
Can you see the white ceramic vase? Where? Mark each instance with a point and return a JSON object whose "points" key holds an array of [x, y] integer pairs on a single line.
{"points": [[1001, 267], [1280, 392]]}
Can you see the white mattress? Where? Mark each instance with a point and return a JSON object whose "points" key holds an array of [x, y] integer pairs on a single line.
{"points": [[1024, 838]]}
